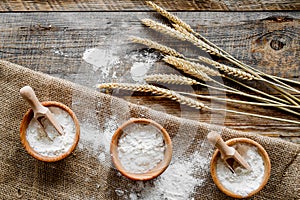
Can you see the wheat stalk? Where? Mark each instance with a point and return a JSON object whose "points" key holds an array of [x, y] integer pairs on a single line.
{"points": [[242, 102], [206, 45], [197, 42], [255, 115], [184, 25], [229, 70], [169, 16], [157, 46], [184, 32], [196, 70], [186, 69], [179, 98], [182, 80], [182, 63], [155, 90], [180, 34], [222, 52], [164, 29], [171, 79]]}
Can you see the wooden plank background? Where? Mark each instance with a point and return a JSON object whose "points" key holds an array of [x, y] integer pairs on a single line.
{"points": [[55, 42], [137, 5]]}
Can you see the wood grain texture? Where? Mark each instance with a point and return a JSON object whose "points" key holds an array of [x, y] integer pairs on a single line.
{"points": [[136, 5], [55, 43]]}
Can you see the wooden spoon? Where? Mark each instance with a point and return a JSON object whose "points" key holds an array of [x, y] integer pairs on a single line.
{"points": [[39, 110], [227, 152]]}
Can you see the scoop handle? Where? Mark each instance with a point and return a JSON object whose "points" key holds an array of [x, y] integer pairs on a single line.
{"points": [[215, 139], [28, 94]]}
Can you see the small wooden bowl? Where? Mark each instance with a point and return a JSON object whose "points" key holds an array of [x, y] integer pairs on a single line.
{"points": [[261, 151], [156, 171], [24, 125]]}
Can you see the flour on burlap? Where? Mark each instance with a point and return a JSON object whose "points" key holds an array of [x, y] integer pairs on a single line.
{"points": [[97, 140], [179, 181]]}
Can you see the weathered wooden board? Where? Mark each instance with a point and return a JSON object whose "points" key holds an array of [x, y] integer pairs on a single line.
{"points": [[56, 42], [137, 5]]}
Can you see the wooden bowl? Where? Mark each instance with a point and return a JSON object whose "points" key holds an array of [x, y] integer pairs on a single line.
{"points": [[263, 154], [24, 125], [161, 166]]}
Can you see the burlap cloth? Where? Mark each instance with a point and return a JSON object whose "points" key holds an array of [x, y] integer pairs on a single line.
{"points": [[82, 175]]}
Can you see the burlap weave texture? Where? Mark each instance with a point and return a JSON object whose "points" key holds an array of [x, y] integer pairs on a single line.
{"points": [[82, 176]]}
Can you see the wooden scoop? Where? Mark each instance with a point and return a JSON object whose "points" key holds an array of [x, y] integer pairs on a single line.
{"points": [[227, 152], [39, 110]]}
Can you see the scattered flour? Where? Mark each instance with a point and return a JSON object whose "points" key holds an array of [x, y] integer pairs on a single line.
{"points": [[106, 61], [139, 70], [141, 63], [243, 181], [97, 139], [60, 143], [102, 60], [140, 148], [178, 182]]}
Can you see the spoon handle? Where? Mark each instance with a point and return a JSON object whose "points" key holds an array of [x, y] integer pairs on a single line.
{"points": [[28, 94], [215, 139]]}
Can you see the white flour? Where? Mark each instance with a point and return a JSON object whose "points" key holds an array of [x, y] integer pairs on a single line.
{"points": [[178, 182], [141, 63], [109, 65], [97, 139], [243, 181], [140, 148], [103, 60], [139, 70], [61, 143]]}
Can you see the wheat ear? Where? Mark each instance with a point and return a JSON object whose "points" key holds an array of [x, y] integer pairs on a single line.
{"points": [[228, 70], [155, 90], [181, 34], [171, 79], [163, 29], [157, 46], [220, 51], [186, 69], [192, 65], [180, 98], [169, 16]]}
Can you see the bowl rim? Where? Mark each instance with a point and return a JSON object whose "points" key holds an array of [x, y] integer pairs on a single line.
{"points": [[24, 125], [153, 173], [261, 151]]}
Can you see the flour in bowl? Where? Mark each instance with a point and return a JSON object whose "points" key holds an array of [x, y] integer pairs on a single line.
{"points": [[55, 144], [141, 147], [243, 181]]}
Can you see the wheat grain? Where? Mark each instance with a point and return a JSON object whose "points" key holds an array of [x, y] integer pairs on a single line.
{"points": [[229, 70], [171, 79], [169, 16], [157, 46], [155, 90]]}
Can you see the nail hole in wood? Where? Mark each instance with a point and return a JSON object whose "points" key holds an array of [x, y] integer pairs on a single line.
{"points": [[277, 44]]}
